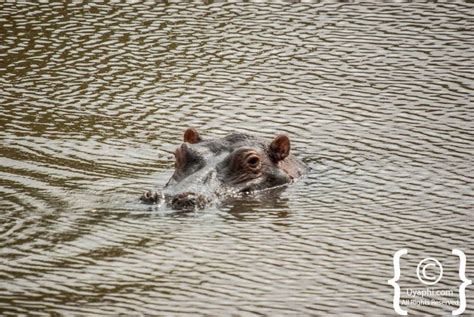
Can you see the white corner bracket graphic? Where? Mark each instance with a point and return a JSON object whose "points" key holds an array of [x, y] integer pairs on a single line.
{"points": [[396, 277], [462, 277]]}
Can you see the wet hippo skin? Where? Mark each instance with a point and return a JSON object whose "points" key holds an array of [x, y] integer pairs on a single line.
{"points": [[215, 168]]}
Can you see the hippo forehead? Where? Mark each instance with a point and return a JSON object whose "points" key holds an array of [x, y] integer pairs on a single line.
{"points": [[216, 147]]}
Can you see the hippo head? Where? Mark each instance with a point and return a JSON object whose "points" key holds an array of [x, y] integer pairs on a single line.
{"points": [[237, 163]]}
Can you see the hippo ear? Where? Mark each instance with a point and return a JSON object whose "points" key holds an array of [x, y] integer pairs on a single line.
{"points": [[280, 147], [191, 136]]}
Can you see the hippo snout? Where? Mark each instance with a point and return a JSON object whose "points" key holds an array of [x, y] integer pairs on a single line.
{"points": [[189, 201]]}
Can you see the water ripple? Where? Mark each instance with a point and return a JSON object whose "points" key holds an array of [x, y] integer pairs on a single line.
{"points": [[377, 99]]}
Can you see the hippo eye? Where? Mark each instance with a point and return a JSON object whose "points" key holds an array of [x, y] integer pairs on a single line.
{"points": [[253, 161]]}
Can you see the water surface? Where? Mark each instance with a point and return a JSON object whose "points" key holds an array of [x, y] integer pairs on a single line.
{"points": [[94, 98]]}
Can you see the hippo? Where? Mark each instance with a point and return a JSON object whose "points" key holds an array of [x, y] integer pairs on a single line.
{"points": [[238, 164]]}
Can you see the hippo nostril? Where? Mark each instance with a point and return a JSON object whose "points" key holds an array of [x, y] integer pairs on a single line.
{"points": [[188, 201], [150, 198]]}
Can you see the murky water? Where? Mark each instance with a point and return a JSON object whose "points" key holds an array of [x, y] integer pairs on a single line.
{"points": [[94, 98]]}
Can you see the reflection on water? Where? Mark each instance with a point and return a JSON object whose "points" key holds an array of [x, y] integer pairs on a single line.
{"points": [[94, 99]]}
